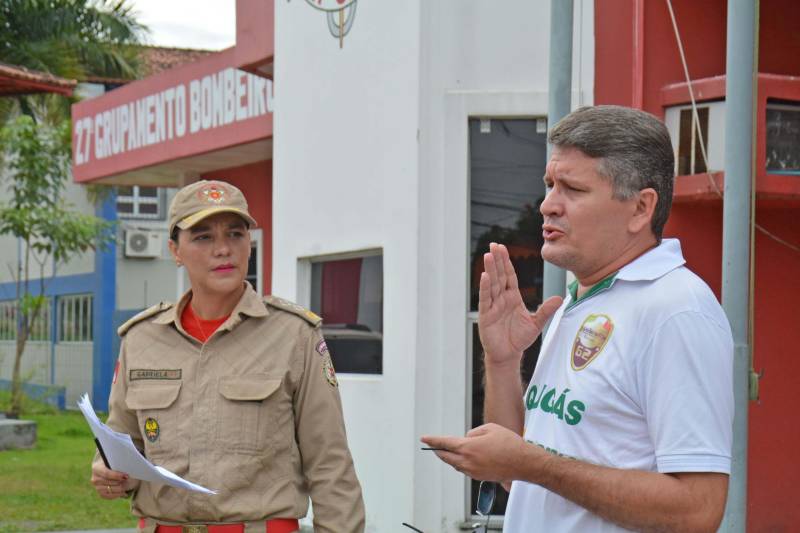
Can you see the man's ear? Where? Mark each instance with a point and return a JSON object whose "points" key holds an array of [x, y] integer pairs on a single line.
{"points": [[645, 206]]}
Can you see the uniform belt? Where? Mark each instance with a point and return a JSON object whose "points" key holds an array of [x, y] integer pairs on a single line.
{"points": [[276, 525]]}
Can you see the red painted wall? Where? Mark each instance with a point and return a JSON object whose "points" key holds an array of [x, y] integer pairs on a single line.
{"points": [[702, 26], [255, 182], [614, 52], [774, 433], [779, 39]]}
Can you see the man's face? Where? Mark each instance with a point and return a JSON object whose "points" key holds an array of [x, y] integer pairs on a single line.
{"points": [[215, 252], [585, 229]]}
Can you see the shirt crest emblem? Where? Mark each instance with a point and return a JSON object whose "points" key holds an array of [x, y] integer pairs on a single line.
{"points": [[328, 371], [590, 340], [151, 429]]}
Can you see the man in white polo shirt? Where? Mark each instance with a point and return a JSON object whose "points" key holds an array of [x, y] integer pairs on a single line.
{"points": [[627, 421]]}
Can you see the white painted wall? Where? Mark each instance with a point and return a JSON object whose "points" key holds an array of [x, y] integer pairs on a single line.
{"points": [[345, 167], [370, 152], [142, 282], [479, 59]]}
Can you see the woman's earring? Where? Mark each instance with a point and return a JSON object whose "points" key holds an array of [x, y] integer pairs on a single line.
{"points": [[178, 264]]}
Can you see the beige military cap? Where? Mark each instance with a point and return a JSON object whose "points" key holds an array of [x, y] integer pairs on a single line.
{"points": [[204, 198]]}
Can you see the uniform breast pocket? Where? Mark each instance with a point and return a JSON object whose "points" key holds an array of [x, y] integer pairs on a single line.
{"points": [[157, 414], [250, 410]]}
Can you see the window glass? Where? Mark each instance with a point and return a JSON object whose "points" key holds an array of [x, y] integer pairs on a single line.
{"points": [[348, 295], [141, 202], [507, 164], [148, 209], [783, 135], [690, 152], [478, 393], [252, 265], [506, 188]]}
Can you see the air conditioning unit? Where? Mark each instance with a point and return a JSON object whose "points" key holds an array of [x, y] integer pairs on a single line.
{"points": [[142, 243]]}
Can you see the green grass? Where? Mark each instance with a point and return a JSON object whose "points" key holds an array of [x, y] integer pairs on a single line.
{"points": [[47, 488]]}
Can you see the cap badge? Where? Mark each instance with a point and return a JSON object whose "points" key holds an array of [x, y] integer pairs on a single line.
{"points": [[213, 194], [590, 340]]}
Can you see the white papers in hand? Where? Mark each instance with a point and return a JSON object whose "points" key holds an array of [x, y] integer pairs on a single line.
{"points": [[123, 456]]}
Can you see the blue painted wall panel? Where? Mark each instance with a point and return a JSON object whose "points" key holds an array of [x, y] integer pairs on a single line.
{"points": [[105, 301]]}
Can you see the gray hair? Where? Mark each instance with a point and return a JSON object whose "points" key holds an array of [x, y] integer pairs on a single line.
{"points": [[634, 149]]}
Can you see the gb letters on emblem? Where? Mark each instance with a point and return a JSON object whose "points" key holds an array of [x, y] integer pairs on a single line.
{"points": [[592, 337]]}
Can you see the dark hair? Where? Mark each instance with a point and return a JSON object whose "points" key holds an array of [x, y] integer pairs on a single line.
{"points": [[634, 149]]}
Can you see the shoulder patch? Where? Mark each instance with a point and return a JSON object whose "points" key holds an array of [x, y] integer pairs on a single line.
{"points": [[147, 313], [291, 307]]}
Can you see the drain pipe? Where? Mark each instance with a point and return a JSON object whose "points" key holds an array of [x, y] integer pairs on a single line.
{"points": [[736, 236]]}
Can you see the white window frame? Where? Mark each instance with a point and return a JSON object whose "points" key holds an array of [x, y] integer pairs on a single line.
{"points": [[304, 280], [9, 323], [71, 305], [8, 320], [460, 107], [136, 201], [257, 247]]}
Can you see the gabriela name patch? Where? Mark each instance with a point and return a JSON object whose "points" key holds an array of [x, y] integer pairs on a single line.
{"points": [[146, 373]]}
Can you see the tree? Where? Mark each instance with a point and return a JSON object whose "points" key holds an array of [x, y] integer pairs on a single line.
{"points": [[36, 164], [74, 39]]}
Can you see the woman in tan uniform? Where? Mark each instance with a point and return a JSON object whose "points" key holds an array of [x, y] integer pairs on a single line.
{"points": [[229, 390]]}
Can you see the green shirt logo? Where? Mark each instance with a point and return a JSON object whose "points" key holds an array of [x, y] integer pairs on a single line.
{"points": [[550, 401]]}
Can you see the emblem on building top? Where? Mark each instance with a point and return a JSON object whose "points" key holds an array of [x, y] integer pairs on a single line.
{"points": [[340, 14]]}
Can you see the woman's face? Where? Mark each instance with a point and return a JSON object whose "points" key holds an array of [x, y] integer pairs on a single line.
{"points": [[215, 252]]}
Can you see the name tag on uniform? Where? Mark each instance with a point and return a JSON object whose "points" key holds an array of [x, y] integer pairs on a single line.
{"points": [[147, 373]]}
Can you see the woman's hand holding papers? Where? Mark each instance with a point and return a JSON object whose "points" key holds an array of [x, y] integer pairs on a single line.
{"points": [[110, 484]]}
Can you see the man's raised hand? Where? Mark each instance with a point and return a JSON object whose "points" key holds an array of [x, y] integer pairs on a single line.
{"points": [[506, 327]]}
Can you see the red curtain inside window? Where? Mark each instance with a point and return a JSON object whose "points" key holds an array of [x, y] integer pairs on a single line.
{"points": [[340, 288]]}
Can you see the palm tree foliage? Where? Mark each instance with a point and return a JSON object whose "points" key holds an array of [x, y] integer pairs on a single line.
{"points": [[74, 39]]}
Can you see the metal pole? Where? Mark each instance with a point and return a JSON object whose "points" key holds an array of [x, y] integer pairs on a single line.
{"points": [[736, 236], [559, 92]]}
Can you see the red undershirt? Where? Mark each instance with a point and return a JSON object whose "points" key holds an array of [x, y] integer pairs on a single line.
{"points": [[197, 327]]}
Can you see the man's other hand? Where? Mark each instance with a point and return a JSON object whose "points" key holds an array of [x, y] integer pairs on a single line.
{"points": [[489, 452]]}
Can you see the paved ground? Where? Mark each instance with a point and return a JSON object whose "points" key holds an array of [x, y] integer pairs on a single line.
{"points": [[100, 531], [302, 529]]}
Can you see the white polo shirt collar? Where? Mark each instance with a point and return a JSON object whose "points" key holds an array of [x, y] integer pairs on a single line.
{"points": [[649, 266], [655, 263]]}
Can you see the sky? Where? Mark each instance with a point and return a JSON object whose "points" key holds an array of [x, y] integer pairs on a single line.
{"points": [[202, 24]]}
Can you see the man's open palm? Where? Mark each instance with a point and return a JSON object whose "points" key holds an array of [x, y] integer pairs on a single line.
{"points": [[506, 327]]}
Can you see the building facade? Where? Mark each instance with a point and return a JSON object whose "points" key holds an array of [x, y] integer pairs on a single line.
{"points": [[382, 146]]}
